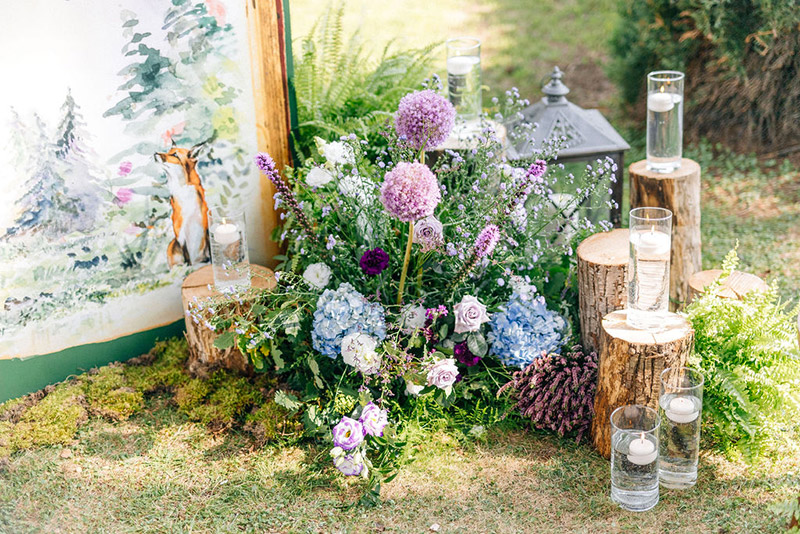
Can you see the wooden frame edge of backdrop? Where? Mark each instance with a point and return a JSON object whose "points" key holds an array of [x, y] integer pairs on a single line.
{"points": [[267, 34]]}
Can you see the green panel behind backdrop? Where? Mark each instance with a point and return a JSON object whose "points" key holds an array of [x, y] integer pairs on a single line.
{"points": [[21, 376]]}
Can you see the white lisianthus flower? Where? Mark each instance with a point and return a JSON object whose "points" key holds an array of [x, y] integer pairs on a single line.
{"points": [[338, 153], [318, 177], [358, 350], [412, 389], [318, 275], [412, 317]]}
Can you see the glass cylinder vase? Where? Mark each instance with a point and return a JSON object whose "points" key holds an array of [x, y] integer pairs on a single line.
{"points": [[648, 267], [681, 406], [229, 255], [634, 457], [464, 76], [664, 120]]}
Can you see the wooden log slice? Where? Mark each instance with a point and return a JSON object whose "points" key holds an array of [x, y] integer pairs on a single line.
{"points": [[203, 356], [630, 366], [736, 286], [602, 267], [679, 192]]}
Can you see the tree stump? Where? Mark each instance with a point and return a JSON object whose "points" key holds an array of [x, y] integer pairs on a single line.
{"points": [[602, 267], [203, 355], [630, 367], [736, 286], [679, 192]]}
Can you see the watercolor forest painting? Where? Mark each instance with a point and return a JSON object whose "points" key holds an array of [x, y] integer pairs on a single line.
{"points": [[113, 149]]}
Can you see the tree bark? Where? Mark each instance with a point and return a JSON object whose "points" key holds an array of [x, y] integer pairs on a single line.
{"points": [[602, 267], [736, 286], [678, 191], [630, 367], [203, 356]]}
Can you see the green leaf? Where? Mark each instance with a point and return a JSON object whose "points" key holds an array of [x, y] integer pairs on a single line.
{"points": [[287, 400], [225, 340], [443, 331], [477, 345], [258, 309], [312, 363]]}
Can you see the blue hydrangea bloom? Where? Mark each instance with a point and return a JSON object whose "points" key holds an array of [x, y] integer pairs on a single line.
{"points": [[525, 330], [343, 312]]}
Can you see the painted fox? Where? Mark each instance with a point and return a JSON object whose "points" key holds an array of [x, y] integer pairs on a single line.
{"points": [[189, 208]]}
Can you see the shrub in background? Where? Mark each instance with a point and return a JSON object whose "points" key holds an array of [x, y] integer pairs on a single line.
{"points": [[742, 61], [747, 350], [557, 392]]}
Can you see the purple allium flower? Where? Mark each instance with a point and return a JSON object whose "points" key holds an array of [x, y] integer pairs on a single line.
{"points": [[464, 355], [374, 419], [425, 119], [410, 191], [487, 240], [428, 232], [348, 433], [374, 261]]}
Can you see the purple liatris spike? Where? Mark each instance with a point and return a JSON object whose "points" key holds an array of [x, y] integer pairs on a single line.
{"points": [[486, 241]]}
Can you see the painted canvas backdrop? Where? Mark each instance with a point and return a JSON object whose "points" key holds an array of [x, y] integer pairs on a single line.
{"points": [[92, 90]]}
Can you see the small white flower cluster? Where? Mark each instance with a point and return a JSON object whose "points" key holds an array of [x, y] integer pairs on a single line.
{"points": [[358, 350]]}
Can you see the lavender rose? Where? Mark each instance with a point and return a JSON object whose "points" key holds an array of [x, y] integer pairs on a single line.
{"points": [[443, 374], [348, 434], [428, 232], [374, 419], [470, 315]]}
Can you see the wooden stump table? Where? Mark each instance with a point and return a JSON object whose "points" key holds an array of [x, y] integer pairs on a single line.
{"points": [[630, 367], [679, 192], [602, 288], [203, 355], [736, 286]]}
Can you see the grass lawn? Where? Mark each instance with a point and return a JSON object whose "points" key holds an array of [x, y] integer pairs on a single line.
{"points": [[164, 469], [159, 472]]}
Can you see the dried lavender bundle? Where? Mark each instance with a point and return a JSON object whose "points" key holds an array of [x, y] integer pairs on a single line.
{"points": [[557, 392]]}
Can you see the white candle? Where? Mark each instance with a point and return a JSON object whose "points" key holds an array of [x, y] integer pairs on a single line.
{"points": [[651, 242], [225, 234], [660, 102], [461, 65], [642, 451], [682, 410]]}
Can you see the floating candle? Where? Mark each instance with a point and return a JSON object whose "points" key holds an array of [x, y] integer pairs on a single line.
{"points": [[651, 242], [642, 451], [682, 410], [660, 102], [226, 233]]}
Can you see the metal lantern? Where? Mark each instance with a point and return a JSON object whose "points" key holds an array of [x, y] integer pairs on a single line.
{"points": [[588, 134]]}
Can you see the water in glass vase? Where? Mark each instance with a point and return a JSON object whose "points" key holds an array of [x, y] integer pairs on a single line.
{"points": [[634, 471], [664, 131], [229, 257], [648, 279], [679, 440], [464, 85]]}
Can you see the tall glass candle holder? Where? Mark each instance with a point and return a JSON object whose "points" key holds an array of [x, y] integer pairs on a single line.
{"points": [[648, 267], [634, 457], [681, 407], [664, 120], [229, 255], [464, 76]]}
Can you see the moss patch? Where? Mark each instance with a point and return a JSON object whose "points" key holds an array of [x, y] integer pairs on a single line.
{"points": [[161, 369], [219, 401], [53, 420], [109, 395], [271, 422]]}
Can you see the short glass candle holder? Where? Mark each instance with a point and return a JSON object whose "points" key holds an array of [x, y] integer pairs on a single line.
{"points": [[229, 255], [681, 407], [648, 267], [664, 120], [634, 457], [464, 76]]}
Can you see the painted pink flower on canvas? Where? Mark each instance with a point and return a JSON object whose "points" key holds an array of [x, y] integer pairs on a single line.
{"points": [[125, 168], [123, 196]]}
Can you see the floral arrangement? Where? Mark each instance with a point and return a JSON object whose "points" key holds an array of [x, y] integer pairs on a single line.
{"points": [[406, 284]]}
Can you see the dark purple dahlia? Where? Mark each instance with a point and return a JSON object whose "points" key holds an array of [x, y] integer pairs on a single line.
{"points": [[464, 355], [374, 261]]}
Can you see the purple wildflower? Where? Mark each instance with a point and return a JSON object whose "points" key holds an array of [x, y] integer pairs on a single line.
{"points": [[464, 355], [424, 119], [487, 240], [267, 166], [374, 261], [410, 191]]}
